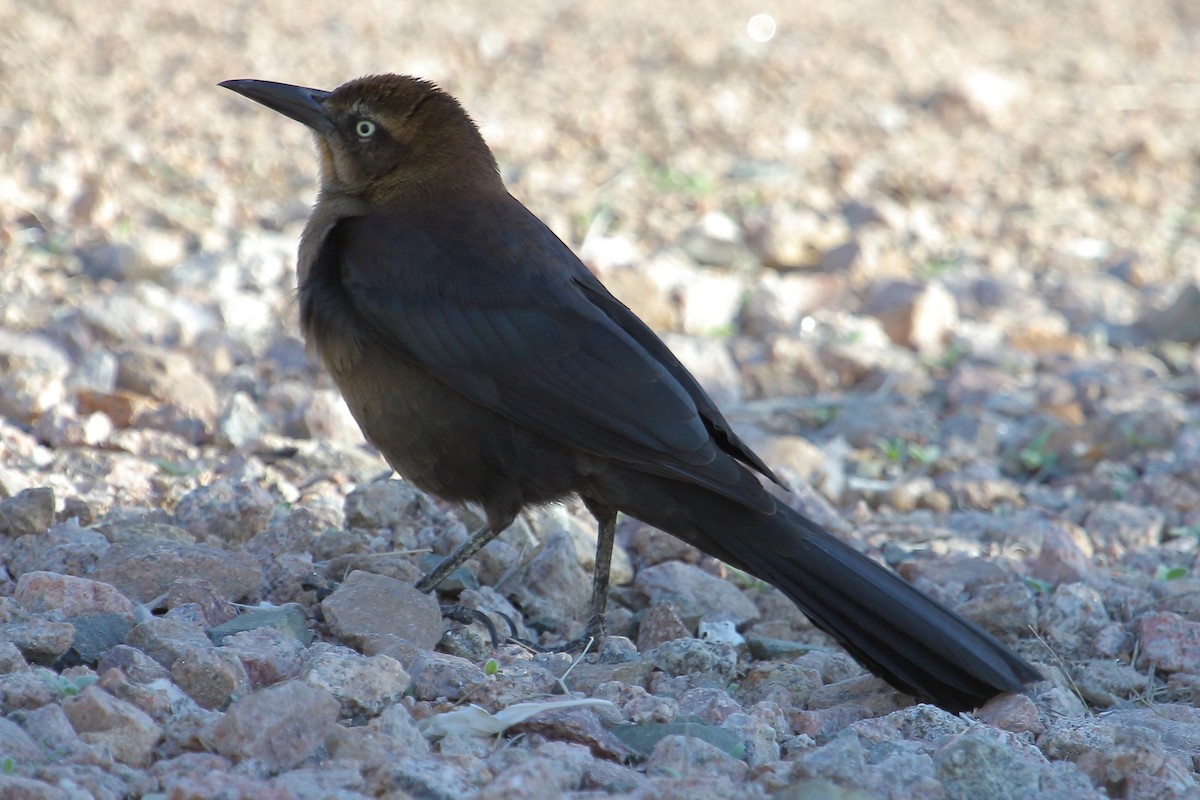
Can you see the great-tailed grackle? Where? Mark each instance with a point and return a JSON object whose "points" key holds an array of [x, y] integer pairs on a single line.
{"points": [[488, 364]]}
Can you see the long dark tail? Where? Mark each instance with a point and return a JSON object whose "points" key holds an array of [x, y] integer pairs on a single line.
{"points": [[902, 635]]}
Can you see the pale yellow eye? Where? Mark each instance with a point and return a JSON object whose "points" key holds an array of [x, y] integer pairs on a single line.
{"points": [[364, 128]]}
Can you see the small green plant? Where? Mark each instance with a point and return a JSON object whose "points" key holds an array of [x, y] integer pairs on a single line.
{"points": [[491, 667], [1036, 456], [1165, 573], [69, 687], [1039, 585], [8, 766]]}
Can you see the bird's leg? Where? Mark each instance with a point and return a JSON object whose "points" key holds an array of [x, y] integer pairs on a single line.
{"points": [[606, 529], [453, 561]]}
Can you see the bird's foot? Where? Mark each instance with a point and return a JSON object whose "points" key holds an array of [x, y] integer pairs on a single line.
{"points": [[466, 615]]}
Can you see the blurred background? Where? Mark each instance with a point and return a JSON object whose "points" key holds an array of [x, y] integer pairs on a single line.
{"points": [[917, 181]]}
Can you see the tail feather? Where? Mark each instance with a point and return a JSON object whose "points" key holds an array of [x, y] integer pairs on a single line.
{"points": [[902, 635], [912, 641]]}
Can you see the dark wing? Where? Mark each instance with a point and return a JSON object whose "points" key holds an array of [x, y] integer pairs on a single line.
{"points": [[524, 329]]}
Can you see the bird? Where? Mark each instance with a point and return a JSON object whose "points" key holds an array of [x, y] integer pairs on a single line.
{"points": [[488, 365]]}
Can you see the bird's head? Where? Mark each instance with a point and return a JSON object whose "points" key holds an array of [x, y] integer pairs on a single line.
{"points": [[385, 138]]}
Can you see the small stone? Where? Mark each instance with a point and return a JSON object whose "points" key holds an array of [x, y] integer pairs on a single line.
{"points": [[682, 755], [1072, 619], [240, 422], [690, 656], [366, 606], [1116, 528], [268, 654], [1014, 713], [39, 640], [165, 640], [64, 596], [280, 726], [98, 633], [136, 665], [31, 512], [981, 764], [1168, 642], [438, 675], [61, 427], [1065, 556], [382, 504], [100, 718], [211, 676], [661, 624], [551, 588], [18, 788], [229, 510], [1108, 683], [920, 316], [32, 371], [716, 599], [31, 688], [145, 570], [362, 684]]}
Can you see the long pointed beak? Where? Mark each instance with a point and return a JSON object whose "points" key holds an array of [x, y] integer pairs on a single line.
{"points": [[298, 102]]}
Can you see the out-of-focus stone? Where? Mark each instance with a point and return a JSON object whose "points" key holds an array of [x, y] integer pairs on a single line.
{"points": [[920, 316], [166, 640], [362, 684], [268, 654], [143, 571], [367, 606], [231, 511], [716, 599], [211, 676], [1168, 642], [29, 513], [661, 624], [64, 596], [279, 726], [100, 718]]}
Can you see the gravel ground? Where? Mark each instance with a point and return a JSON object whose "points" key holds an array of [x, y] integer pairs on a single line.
{"points": [[939, 261]]}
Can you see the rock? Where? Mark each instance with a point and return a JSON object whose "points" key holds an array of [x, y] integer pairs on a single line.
{"points": [[40, 640], [32, 373], [661, 624], [29, 513], [168, 377], [578, 726], [1065, 554], [166, 640], [145, 570], [981, 764], [279, 726], [100, 718], [1116, 528], [1108, 683], [97, 634], [64, 596], [362, 684], [213, 677], [240, 422], [1072, 619], [30, 688], [1168, 642], [553, 770], [136, 665], [437, 675], [785, 683], [382, 504], [1014, 713], [551, 588], [268, 654], [231, 511], [682, 755], [716, 599], [368, 606], [288, 619], [215, 609], [18, 788], [691, 656], [61, 427], [920, 316]]}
